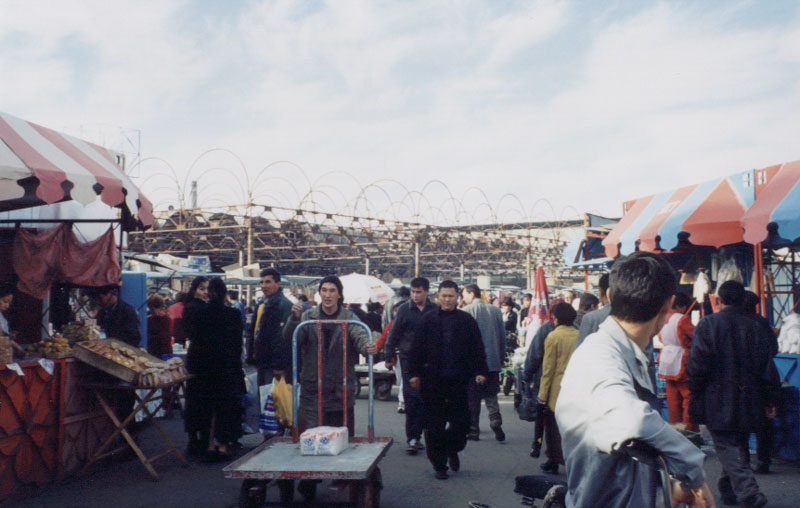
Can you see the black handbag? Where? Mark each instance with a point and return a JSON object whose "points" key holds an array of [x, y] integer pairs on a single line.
{"points": [[528, 408]]}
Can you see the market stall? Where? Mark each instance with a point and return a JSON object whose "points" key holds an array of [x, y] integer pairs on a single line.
{"points": [[53, 188], [746, 227]]}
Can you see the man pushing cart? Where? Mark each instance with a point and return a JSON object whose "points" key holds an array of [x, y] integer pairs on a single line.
{"points": [[326, 342]]}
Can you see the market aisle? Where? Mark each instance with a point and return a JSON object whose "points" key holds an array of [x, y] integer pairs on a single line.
{"points": [[487, 475]]}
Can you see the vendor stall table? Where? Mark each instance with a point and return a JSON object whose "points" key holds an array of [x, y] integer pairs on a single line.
{"points": [[165, 395], [49, 424]]}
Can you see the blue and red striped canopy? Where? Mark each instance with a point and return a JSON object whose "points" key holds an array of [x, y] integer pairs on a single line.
{"points": [[709, 212], [778, 202]]}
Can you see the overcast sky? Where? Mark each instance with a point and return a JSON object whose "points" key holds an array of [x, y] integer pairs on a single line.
{"points": [[585, 104]]}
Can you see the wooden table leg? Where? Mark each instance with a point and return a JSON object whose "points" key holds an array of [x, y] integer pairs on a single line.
{"points": [[150, 416], [121, 429]]}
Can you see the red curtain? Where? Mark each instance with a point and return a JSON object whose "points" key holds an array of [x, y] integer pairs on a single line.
{"points": [[58, 255]]}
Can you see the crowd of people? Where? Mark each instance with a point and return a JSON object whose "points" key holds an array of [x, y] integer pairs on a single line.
{"points": [[590, 366]]}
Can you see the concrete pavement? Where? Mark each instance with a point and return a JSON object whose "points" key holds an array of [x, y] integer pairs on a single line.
{"points": [[487, 474]]}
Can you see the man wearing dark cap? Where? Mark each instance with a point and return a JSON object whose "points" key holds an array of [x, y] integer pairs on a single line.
{"points": [[358, 342]]}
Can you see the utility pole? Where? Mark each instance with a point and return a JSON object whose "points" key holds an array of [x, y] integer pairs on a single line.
{"points": [[416, 258], [249, 221]]}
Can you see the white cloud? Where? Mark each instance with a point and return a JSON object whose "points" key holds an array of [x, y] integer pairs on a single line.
{"points": [[580, 104]]}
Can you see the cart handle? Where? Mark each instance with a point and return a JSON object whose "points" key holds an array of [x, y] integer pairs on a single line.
{"points": [[296, 393]]}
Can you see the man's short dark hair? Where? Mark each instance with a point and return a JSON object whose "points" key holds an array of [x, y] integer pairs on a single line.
{"points": [[275, 274], [474, 289], [587, 301], [681, 300], [403, 292], [731, 293], [750, 303], [302, 297], [97, 292], [528, 296], [640, 285], [508, 301], [564, 313], [421, 282], [448, 284], [217, 289], [336, 281], [603, 283]]}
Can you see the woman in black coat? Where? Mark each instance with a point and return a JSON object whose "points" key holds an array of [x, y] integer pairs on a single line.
{"points": [[215, 360], [193, 421]]}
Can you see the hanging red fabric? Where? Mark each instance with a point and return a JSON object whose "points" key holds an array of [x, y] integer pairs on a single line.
{"points": [[58, 255]]}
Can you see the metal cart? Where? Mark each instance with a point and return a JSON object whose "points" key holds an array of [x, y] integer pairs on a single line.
{"points": [[279, 458]]}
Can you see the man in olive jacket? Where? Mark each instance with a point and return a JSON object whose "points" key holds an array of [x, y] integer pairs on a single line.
{"points": [[731, 389]]}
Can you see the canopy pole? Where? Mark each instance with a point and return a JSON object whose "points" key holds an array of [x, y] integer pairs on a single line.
{"points": [[758, 256]]}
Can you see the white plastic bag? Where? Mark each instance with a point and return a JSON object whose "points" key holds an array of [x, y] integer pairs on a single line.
{"points": [[324, 441]]}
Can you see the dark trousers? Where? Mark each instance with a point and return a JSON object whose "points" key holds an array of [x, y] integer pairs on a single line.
{"points": [[552, 438], [733, 453], [765, 440], [413, 402], [446, 419]]}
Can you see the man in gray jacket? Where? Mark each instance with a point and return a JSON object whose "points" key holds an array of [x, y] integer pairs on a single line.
{"points": [[608, 398], [591, 321], [490, 323]]}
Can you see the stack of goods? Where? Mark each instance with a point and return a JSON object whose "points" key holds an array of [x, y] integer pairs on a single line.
{"points": [[57, 345], [78, 332], [171, 371], [324, 441], [145, 370]]}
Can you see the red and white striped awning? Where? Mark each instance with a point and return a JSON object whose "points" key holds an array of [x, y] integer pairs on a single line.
{"points": [[40, 166]]}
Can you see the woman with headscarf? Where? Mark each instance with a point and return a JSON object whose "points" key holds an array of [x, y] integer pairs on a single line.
{"points": [[215, 360]]}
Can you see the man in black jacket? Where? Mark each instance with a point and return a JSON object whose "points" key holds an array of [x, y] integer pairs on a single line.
{"points": [[448, 354], [117, 319], [731, 389], [405, 331]]}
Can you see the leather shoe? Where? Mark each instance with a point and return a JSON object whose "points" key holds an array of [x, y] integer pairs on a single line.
{"points": [[549, 467], [473, 436], [454, 462], [499, 434], [441, 475], [726, 493], [762, 469], [755, 501]]}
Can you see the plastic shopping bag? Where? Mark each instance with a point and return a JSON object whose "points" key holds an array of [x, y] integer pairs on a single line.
{"points": [[268, 424], [282, 395]]}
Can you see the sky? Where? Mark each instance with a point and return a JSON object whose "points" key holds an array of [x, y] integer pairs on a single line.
{"points": [[541, 109]]}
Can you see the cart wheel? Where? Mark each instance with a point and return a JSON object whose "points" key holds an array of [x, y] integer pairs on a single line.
{"points": [[383, 390], [508, 382], [369, 491], [253, 494]]}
